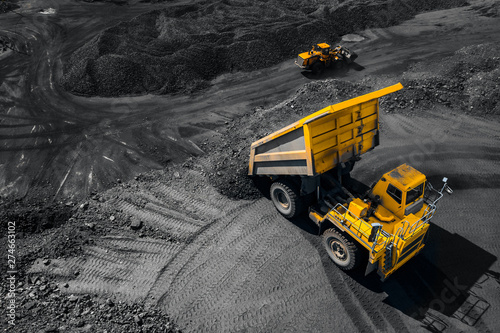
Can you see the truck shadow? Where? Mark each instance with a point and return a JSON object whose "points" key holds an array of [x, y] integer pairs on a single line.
{"points": [[439, 278]]}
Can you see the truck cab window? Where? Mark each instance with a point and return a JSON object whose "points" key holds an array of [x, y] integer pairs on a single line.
{"points": [[394, 193], [414, 193]]}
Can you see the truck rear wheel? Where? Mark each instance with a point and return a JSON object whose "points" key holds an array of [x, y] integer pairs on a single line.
{"points": [[286, 198], [341, 248]]}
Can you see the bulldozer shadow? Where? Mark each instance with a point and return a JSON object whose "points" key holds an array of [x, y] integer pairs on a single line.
{"points": [[440, 278], [333, 72], [357, 67]]}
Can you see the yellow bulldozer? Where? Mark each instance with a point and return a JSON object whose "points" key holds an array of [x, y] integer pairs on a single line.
{"points": [[310, 164], [322, 56]]}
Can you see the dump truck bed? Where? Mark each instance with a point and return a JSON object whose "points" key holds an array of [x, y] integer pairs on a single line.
{"points": [[319, 142]]}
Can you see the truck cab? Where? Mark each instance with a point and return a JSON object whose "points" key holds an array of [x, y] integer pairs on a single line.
{"points": [[401, 191], [390, 220]]}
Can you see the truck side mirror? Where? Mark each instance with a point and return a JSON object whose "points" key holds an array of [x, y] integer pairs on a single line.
{"points": [[448, 189], [375, 229]]}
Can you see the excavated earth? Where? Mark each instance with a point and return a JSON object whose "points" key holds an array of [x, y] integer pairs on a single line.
{"points": [[135, 213]]}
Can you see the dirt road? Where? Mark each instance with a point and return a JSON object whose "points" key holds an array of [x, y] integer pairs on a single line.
{"points": [[236, 265]]}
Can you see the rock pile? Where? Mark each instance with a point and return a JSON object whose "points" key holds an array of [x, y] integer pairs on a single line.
{"points": [[42, 307], [469, 81]]}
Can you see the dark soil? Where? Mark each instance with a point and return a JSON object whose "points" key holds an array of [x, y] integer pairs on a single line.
{"points": [[6, 6], [181, 48]]}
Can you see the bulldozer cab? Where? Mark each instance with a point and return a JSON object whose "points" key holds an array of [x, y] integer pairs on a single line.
{"points": [[401, 191], [323, 48]]}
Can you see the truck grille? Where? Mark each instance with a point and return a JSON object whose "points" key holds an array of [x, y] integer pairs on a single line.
{"points": [[300, 61], [411, 247]]}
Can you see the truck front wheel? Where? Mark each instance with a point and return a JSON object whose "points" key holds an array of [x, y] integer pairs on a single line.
{"points": [[341, 249], [286, 198]]}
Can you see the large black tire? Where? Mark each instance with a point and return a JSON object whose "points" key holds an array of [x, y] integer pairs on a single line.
{"points": [[341, 248], [318, 68], [286, 198]]}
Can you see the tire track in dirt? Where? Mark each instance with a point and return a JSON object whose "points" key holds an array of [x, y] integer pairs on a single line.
{"points": [[222, 265], [242, 268], [210, 289], [196, 256], [364, 306], [121, 266], [157, 219], [219, 294]]}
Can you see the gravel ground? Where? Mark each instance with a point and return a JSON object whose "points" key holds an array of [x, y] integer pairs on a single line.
{"points": [[40, 299]]}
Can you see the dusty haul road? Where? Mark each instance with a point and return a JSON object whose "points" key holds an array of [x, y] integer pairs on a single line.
{"points": [[237, 265]]}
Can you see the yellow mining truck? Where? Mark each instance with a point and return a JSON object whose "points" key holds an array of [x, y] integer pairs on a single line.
{"points": [[322, 56], [309, 163]]}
